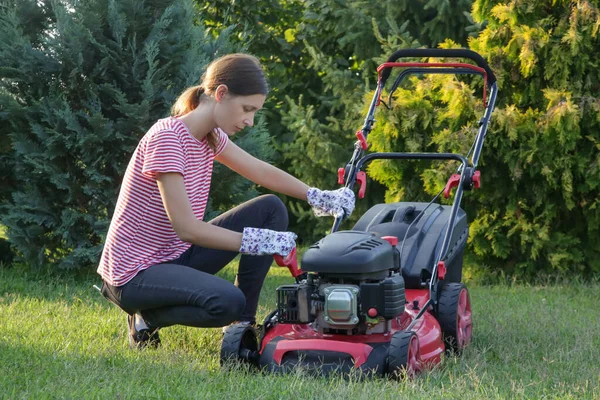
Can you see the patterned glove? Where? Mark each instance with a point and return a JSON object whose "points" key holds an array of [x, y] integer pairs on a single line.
{"points": [[331, 202], [258, 242]]}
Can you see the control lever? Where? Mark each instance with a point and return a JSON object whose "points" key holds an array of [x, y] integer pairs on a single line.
{"points": [[289, 261]]}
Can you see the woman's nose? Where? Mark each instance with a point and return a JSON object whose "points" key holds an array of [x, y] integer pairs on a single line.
{"points": [[249, 122]]}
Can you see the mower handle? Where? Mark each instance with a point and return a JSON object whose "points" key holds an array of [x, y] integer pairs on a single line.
{"points": [[454, 53]]}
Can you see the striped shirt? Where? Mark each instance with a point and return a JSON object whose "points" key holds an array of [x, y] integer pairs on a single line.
{"points": [[140, 233]]}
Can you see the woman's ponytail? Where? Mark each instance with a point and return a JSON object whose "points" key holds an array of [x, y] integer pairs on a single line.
{"points": [[187, 102]]}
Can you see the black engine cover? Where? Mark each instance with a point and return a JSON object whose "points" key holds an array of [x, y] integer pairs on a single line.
{"points": [[349, 253]]}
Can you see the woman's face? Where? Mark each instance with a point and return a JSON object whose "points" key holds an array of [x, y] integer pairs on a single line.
{"points": [[234, 113]]}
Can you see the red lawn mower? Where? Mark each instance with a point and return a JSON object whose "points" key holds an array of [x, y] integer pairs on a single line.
{"points": [[385, 297]]}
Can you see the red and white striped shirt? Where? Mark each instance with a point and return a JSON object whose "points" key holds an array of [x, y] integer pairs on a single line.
{"points": [[140, 233]]}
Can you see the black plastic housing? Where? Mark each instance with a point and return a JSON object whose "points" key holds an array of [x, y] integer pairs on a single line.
{"points": [[387, 297], [293, 304], [359, 255], [419, 237]]}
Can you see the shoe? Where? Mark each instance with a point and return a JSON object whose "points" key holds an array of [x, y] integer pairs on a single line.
{"points": [[237, 323], [142, 338]]}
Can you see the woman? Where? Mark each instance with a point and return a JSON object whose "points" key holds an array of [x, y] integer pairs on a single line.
{"points": [[160, 258]]}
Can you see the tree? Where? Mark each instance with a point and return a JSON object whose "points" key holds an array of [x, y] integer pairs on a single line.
{"points": [[537, 209], [321, 58], [81, 82]]}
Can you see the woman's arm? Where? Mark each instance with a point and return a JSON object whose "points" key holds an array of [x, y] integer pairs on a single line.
{"points": [[188, 228], [261, 173]]}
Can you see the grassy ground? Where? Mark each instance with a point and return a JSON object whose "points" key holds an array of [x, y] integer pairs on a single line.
{"points": [[60, 339]]}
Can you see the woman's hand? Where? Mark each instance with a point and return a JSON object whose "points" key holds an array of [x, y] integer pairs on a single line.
{"points": [[258, 242], [336, 203]]}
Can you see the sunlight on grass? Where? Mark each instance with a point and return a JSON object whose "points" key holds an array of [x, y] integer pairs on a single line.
{"points": [[3, 232], [60, 338]]}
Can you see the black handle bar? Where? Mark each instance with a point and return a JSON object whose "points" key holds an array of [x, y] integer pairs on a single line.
{"points": [[455, 53]]}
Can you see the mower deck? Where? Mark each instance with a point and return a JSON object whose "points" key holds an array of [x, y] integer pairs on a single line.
{"points": [[288, 346]]}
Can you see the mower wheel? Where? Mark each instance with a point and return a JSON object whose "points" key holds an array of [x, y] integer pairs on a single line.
{"points": [[455, 317], [404, 355], [239, 344]]}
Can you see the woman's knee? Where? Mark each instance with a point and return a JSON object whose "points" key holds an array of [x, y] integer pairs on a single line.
{"points": [[277, 211], [231, 306]]}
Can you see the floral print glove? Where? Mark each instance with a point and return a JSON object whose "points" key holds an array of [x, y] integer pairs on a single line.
{"points": [[258, 242], [331, 202]]}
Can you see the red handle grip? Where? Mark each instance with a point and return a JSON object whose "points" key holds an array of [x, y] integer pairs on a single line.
{"points": [[455, 180], [361, 178], [452, 183], [362, 140], [289, 261], [341, 173], [477, 180]]}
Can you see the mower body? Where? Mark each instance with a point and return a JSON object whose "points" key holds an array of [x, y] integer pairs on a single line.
{"points": [[361, 289], [386, 296]]}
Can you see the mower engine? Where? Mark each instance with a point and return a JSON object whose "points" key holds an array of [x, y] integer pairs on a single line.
{"points": [[354, 286]]}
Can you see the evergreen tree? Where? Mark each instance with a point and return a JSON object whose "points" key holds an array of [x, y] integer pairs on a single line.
{"points": [[346, 41], [81, 82], [321, 57]]}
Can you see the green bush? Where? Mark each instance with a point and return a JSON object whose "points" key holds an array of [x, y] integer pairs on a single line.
{"points": [[321, 57], [537, 210], [80, 85]]}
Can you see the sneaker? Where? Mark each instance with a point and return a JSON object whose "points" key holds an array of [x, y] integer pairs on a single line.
{"points": [[142, 338], [250, 323]]}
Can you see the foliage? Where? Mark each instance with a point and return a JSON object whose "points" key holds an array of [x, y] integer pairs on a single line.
{"points": [[81, 83], [321, 58], [345, 42], [538, 206]]}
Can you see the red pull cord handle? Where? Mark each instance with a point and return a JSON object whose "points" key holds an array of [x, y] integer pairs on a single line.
{"points": [[289, 261]]}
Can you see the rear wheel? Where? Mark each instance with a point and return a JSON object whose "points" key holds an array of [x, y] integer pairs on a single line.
{"points": [[455, 316], [404, 355], [239, 344]]}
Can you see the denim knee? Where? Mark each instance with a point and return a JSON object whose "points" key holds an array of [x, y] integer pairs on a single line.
{"points": [[278, 211], [232, 304]]}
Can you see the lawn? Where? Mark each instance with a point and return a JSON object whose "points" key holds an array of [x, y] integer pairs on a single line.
{"points": [[60, 339]]}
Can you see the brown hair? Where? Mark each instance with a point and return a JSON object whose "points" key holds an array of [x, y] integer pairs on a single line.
{"points": [[241, 73]]}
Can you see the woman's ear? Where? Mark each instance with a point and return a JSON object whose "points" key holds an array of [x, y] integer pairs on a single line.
{"points": [[220, 92]]}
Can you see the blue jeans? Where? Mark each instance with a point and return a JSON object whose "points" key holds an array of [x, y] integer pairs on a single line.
{"points": [[185, 291]]}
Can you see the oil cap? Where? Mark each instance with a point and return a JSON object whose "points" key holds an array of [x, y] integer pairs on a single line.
{"points": [[393, 240]]}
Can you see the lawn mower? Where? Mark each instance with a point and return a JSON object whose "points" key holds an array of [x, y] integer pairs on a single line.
{"points": [[385, 297]]}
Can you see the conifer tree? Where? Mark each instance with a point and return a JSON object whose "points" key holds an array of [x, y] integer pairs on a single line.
{"points": [[346, 41], [537, 209], [321, 56], [81, 82]]}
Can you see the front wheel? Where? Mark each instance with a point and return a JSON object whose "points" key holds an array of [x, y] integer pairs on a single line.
{"points": [[404, 355], [455, 316], [239, 344]]}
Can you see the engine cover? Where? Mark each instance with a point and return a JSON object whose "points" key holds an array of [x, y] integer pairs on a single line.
{"points": [[341, 306], [349, 253]]}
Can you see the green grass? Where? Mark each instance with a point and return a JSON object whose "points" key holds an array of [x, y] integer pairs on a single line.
{"points": [[60, 339]]}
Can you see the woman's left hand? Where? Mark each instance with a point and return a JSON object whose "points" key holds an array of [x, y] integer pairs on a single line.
{"points": [[337, 203]]}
